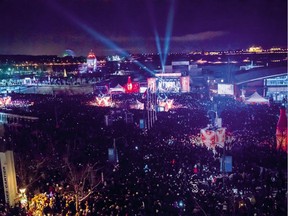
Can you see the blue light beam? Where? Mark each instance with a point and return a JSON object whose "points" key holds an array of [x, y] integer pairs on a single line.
{"points": [[168, 31], [97, 36], [158, 45]]}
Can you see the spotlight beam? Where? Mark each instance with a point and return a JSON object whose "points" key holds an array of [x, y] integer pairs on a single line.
{"points": [[96, 35], [168, 31], [156, 35], [158, 45]]}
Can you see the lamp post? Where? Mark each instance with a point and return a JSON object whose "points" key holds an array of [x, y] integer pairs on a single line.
{"points": [[22, 191], [116, 158], [115, 151]]}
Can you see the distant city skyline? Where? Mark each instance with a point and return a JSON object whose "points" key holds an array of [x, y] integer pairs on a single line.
{"points": [[39, 27]]}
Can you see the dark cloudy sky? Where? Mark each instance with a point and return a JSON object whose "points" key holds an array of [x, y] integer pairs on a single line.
{"points": [[113, 26]]}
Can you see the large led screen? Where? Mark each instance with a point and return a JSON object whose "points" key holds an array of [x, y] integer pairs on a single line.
{"points": [[225, 89]]}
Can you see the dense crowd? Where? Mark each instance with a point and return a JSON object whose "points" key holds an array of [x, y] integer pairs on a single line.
{"points": [[161, 171]]}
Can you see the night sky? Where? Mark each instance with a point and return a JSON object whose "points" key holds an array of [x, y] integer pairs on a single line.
{"points": [[48, 27]]}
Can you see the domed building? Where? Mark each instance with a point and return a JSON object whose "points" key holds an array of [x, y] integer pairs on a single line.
{"points": [[91, 62], [69, 53]]}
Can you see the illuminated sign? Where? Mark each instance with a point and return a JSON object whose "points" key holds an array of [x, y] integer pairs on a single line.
{"points": [[168, 75], [141, 123], [226, 164], [277, 81], [151, 84], [102, 101], [185, 84], [225, 89]]}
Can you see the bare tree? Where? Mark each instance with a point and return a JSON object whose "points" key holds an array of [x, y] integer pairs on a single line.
{"points": [[79, 177], [28, 170]]}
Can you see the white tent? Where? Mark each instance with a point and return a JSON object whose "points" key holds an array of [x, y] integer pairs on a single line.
{"points": [[117, 88], [255, 98]]}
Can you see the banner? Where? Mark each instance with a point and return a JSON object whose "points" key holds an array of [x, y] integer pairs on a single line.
{"points": [[112, 155], [208, 137], [185, 84], [212, 137], [151, 84], [220, 137], [281, 139], [141, 123], [226, 164], [9, 177]]}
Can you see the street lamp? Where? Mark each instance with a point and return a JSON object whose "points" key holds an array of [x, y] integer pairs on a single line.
{"points": [[23, 197], [22, 190]]}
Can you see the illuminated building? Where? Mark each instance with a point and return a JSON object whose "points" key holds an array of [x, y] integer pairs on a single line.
{"points": [[270, 82], [183, 67], [91, 62], [114, 58], [175, 78], [276, 88], [277, 50], [69, 53], [169, 82], [255, 49]]}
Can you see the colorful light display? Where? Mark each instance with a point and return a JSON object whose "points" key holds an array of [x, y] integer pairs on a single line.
{"points": [[8, 102], [132, 87], [166, 104], [5, 101], [102, 101], [213, 137]]}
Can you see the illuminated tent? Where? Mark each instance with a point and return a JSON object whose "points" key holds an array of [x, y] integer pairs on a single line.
{"points": [[117, 88], [256, 99], [137, 105], [282, 131], [140, 105]]}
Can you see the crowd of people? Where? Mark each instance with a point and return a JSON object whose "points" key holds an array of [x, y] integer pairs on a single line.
{"points": [[161, 171]]}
